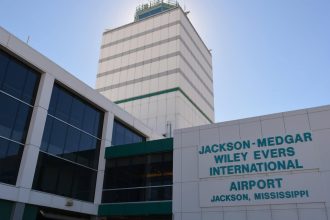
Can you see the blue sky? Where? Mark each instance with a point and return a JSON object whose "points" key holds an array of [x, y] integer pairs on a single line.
{"points": [[268, 55]]}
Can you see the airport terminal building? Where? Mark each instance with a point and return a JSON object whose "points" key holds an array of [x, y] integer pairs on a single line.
{"points": [[143, 145]]}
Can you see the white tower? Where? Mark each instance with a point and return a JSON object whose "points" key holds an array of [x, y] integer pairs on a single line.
{"points": [[158, 69]]}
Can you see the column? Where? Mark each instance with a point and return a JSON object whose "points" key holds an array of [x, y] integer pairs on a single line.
{"points": [[34, 136], [106, 142]]}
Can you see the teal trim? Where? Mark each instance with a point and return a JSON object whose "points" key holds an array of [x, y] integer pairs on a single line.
{"points": [[176, 89], [134, 209], [30, 212], [5, 209], [147, 95], [140, 148]]}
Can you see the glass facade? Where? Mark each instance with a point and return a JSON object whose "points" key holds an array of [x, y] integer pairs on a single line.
{"points": [[18, 88], [138, 178], [69, 152], [124, 135]]}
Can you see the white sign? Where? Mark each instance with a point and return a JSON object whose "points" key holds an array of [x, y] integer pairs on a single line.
{"points": [[273, 189], [289, 152]]}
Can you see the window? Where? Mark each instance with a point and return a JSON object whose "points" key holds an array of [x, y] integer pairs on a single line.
{"points": [[138, 178], [14, 118], [10, 159], [65, 141], [57, 176], [124, 135], [67, 164], [18, 88], [17, 79], [75, 111]]}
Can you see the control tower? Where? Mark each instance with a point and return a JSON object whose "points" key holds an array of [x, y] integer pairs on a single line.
{"points": [[158, 69]]}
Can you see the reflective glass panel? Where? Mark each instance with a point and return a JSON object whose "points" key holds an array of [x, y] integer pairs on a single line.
{"points": [[75, 111], [68, 142], [122, 134], [57, 176], [18, 79], [138, 178], [10, 159]]}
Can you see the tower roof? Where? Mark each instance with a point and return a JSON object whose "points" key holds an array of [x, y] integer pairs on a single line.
{"points": [[153, 7]]}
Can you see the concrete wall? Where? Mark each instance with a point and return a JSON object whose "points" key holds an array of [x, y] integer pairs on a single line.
{"points": [[192, 183]]}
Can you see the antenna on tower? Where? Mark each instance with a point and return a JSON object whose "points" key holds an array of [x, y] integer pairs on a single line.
{"points": [[28, 39], [185, 9]]}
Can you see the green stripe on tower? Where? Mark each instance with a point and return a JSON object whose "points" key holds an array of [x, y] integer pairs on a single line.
{"points": [[147, 95], [176, 89]]}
